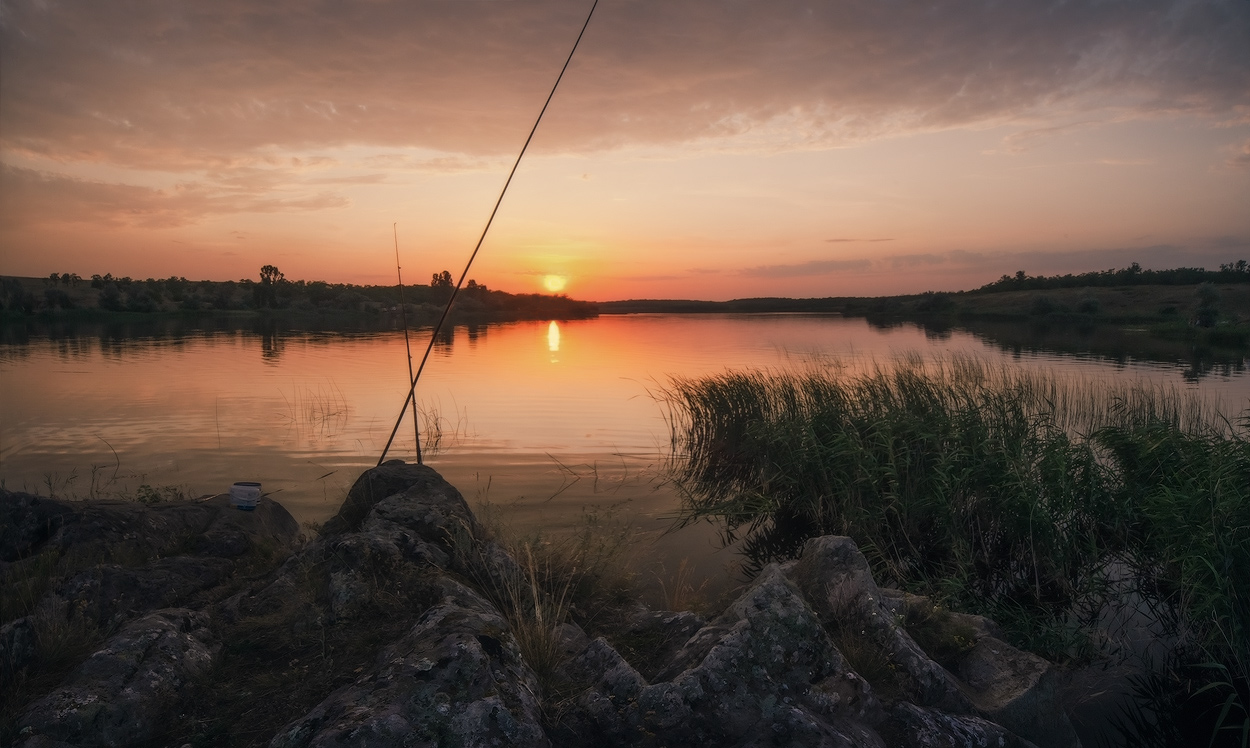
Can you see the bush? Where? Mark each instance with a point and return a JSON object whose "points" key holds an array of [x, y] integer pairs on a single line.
{"points": [[1008, 493]]}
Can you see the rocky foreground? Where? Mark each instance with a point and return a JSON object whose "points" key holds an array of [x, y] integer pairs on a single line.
{"points": [[174, 624]]}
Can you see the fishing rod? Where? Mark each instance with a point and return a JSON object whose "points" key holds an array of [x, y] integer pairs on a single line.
{"points": [[456, 290], [403, 315]]}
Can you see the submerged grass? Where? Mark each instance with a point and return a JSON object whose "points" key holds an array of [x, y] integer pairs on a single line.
{"points": [[1007, 492]]}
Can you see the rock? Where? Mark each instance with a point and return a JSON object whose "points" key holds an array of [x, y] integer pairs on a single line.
{"points": [[417, 527], [17, 649], [650, 639], [917, 727], [835, 577], [125, 692], [393, 477], [572, 641], [1017, 690], [765, 672], [899, 602], [129, 532], [120, 534], [995, 681], [205, 528], [126, 558], [430, 507], [405, 551], [27, 521], [266, 530], [108, 594], [456, 679]]}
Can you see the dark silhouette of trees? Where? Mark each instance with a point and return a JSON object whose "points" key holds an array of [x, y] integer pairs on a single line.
{"points": [[272, 290], [1133, 275], [265, 294], [270, 275]]}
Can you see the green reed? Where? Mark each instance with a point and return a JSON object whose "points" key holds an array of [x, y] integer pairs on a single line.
{"points": [[1009, 492]]}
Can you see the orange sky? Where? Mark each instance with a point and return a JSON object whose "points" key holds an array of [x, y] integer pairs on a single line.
{"points": [[696, 149]]}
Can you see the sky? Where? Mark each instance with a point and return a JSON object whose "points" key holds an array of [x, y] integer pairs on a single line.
{"points": [[707, 149]]}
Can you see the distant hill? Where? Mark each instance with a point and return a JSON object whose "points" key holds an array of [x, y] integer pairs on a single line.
{"points": [[1103, 295]]}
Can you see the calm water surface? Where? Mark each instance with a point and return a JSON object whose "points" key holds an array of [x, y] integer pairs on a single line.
{"points": [[543, 420]]}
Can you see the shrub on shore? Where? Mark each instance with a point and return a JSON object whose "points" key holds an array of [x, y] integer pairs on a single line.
{"points": [[1020, 495]]}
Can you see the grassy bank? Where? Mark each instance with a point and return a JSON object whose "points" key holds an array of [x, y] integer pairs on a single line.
{"points": [[1040, 501]]}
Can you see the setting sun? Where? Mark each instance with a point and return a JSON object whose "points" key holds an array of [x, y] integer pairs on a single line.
{"points": [[554, 283]]}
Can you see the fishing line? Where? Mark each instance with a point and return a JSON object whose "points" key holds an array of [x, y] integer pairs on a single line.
{"points": [[456, 290], [403, 315]]}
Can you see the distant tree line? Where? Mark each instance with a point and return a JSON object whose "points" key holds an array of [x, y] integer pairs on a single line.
{"points": [[1133, 275], [271, 291]]}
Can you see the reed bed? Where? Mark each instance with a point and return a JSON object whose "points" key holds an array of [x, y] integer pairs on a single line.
{"points": [[1018, 494]]}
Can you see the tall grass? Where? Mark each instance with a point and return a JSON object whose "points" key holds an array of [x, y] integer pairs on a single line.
{"points": [[580, 577], [1010, 492]]}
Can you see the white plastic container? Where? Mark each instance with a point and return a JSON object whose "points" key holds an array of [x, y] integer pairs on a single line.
{"points": [[244, 495]]}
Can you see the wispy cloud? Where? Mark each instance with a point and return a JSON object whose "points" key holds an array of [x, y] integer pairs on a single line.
{"points": [[1019, 142], [964, 257], [649, 278], [813, 267], [1241, 157], [36, 198], [843, 241], [910, 261]]}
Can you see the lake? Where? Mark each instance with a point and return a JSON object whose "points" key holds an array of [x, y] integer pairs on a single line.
{"points": [[546, 421]]}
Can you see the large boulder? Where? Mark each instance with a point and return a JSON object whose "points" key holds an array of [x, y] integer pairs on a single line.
{"points": [[267, 530], [108, 594], [130, 533], [27, 521], [121, 559], [764, 672], [83, 570], [17, 648], [835, 577], [1018, 691], [426, 490], [988, 680], [125, 693], [422, 524], [456, 679], [918, 727]]}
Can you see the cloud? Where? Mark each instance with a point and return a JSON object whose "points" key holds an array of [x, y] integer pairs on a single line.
{"points": [[908, 261], [155, 83], [964, 257], [1228, 242], [446, 164], [839, 241], [1019, 142], [33, 198], [813, 267], [1241, 157], [648, 278], [354, 179]]}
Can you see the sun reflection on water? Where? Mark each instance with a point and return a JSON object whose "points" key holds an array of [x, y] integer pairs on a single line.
{"points": [[553, 338]]}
